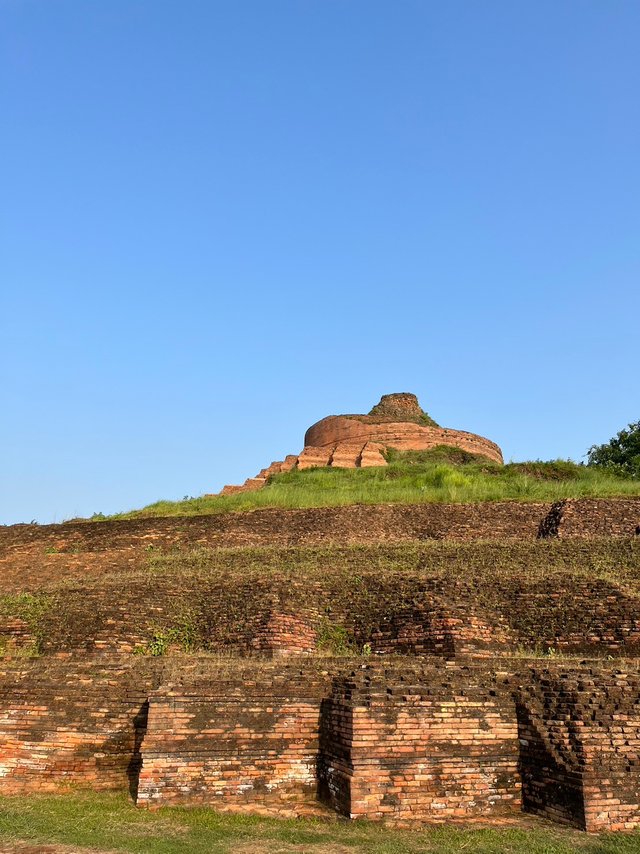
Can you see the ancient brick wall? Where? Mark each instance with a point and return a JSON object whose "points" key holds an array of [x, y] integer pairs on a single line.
{"points": [[419, 743], [447, 629], [79, 723], [247, 737], [573, 614], [440, 603], [400, 739], [593, 517], [579, 730], [73, 545], [248, 616], [129, 539], [456, 618]]}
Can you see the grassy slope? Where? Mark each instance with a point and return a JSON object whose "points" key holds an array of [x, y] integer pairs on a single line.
{"points": [[440, 476], [111, 822]]}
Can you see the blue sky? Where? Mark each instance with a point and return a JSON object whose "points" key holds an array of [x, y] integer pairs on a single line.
{"points": [[221, 221]]}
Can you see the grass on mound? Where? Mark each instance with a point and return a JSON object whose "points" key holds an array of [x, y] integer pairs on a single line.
{"points": [[443, 475], [110, 822]]}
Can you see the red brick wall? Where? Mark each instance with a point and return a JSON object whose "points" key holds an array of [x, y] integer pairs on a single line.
{"points": [[402, 435], [75, 541], [579, 730], [412, 612], [246, 738], [398, 739], [593, 517], [47, 552], [420, 743], [67, 723]]}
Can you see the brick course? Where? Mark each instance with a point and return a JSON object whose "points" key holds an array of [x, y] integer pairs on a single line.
{"points": [[410, 612], [247, 738], [579, 732], [592, 517], [420, 743], [402, 739], [79, 723], [128, 541]]}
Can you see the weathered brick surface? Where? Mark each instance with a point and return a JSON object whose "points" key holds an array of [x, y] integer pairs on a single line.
{"points": [[586, 615], [399, 739], [21, 544], [224, 615], [579, 732], [419, 743], [71, 545], [248, 737], [372, 455], [442, 628], [347, 455], [593, 517], [63, 723], [288, 634], [425, 608], [401, 435]]}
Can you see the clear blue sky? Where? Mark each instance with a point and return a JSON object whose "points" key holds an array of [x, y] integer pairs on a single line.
{"points": [[221, 221]]}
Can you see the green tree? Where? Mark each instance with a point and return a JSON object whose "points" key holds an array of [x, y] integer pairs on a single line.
{"points": [[621, 454]]}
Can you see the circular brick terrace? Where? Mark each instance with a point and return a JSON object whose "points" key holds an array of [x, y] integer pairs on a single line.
{"points": [[401, 435]]}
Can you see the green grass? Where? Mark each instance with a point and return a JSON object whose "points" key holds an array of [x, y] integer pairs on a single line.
{"points": [[439, 476], [111, 822]]}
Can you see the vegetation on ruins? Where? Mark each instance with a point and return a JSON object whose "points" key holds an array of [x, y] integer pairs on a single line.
{"points": [[621, 454], [30, 609], [183, 637], [335, 639], [185, 601], [442, 475]]}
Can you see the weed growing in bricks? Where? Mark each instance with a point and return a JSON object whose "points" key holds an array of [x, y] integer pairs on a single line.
{"points": [[31, 609], [183, 637], [334, 638]]}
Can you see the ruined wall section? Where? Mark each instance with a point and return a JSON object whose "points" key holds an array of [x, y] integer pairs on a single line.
{"points": [[31, 555], [420, 743], [396, 739], [169, 614], [592, 517], [126, 540], [579, 730], [246, 738], [441, 599], [80, 723]]}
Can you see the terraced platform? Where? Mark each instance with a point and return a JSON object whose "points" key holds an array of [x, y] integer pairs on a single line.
{"points": [[429, 663], [32, 554]]}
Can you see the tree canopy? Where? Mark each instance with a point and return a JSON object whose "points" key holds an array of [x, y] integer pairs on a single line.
{"points": [[621, 454]]}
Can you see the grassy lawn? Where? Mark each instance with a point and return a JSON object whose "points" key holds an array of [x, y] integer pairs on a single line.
{"points": [[438, 476], [109, 822]]}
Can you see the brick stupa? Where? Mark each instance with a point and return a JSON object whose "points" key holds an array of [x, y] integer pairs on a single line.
{"points": [[360, 441]]}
